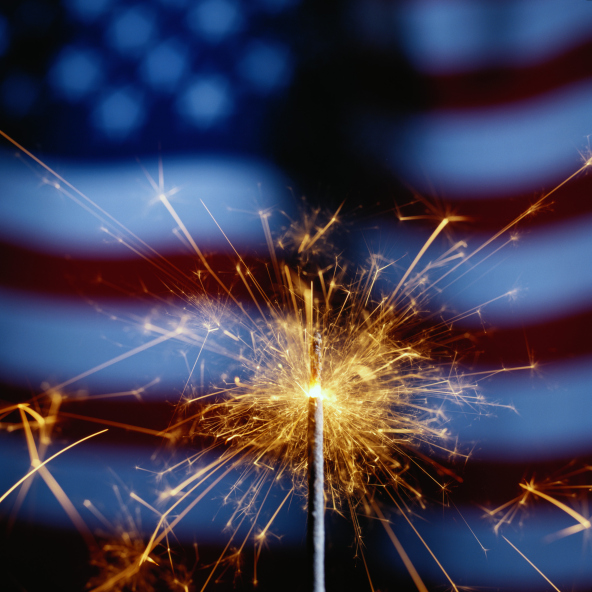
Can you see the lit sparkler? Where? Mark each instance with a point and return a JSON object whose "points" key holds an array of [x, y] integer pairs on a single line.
{"points": [[383, 398], [388, 381]]}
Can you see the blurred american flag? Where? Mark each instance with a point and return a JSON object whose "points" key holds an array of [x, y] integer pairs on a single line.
{"points": [[481, 106]]}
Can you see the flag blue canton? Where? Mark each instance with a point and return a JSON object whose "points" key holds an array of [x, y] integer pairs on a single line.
{"points": [[124, 71]]}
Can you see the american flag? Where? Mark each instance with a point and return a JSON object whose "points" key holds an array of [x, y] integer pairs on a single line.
{"points": [[479, 107]]}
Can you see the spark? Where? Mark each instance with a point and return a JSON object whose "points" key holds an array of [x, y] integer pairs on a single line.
{"points": [[530, 487], [550, 490], [38, 465], [530, 563]]}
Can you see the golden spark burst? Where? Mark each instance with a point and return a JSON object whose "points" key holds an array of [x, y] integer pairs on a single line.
{"points": [[388, 380]]}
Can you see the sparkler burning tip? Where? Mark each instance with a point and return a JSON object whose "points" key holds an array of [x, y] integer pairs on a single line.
{"points": [[316, 494]]}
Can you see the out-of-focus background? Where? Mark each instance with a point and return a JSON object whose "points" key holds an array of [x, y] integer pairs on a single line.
{"points": [[480, 107]]}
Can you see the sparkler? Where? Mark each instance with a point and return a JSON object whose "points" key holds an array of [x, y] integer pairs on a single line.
{"points": [[388, 380], [383, 397]]}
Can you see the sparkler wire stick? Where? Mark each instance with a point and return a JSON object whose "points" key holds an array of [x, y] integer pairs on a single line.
{"points": [[316, 494]]}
